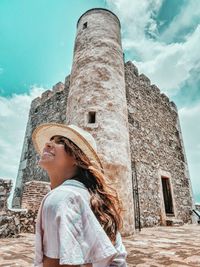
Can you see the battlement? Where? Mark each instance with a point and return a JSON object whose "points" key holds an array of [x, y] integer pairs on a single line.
{"points": [[144, 80], [57, 88]]}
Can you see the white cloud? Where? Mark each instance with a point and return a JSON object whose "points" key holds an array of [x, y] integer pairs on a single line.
{"points": [[169, 66], [13, 119], [190, 125], [136, 16], [188, 17], [172, 66]]}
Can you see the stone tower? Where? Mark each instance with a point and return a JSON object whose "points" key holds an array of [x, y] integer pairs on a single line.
{"points": [[97, 99]]}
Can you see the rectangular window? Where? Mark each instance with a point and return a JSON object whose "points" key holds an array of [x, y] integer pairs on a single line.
{"points": [[91, 117], [84, 25], [167, 195]]}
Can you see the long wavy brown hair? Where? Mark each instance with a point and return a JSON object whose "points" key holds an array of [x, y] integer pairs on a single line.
{"points": [[104, 200]]}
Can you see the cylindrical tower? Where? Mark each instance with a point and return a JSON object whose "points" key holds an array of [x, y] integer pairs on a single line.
{"points": [[97, 100]]}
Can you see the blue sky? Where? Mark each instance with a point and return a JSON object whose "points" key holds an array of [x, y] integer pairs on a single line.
{"points": [[38, 39], [161, 37]]}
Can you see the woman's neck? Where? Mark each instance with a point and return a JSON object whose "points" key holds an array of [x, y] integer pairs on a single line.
{"points": [[58, 179]]}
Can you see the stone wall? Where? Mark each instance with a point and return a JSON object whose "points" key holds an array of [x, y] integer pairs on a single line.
{"points": [[14, 221], [50, 107], [5, 189], [34, 191], [156, 149]]}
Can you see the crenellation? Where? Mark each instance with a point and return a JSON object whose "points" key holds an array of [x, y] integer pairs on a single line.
{"points": [[146, 82], [132, 68], [173, 106], [46, 95], [67, 81], [58, 87], [144, 79], [157, 95], [164, 97], [155, 89], [35, 102]]}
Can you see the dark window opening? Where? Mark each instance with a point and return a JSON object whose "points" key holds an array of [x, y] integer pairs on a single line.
{"points": [[167, 195], [170, 142], [85, 25], [92, 117], [134, 123], [177, 133]]}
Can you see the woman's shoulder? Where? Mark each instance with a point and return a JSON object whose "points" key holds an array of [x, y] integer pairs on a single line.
{"points": [[67, 194]]}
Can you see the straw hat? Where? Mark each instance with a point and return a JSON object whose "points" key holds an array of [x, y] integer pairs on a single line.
{"points": [[83, 139]]}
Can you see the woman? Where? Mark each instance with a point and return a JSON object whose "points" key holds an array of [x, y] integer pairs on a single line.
{"points": [[78, 221]]}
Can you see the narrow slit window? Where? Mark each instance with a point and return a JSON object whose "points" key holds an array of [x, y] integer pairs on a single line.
{"points": [[85, 25], [92, 117], [167, 195]]}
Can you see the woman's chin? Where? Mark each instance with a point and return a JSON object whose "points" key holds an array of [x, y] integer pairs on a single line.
{"points": [[45, 162]]}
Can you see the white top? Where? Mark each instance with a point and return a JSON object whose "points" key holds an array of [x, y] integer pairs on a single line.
{"points": [[67, 229]]}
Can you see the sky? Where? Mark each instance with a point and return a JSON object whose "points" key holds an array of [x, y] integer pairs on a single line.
{"points": [[161, 37]]}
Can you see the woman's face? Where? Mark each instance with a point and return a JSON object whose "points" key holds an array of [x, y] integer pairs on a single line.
{"points": [[55, 156]]}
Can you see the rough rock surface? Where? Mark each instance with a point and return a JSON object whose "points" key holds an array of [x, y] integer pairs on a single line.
{"points": [[14, 221]]}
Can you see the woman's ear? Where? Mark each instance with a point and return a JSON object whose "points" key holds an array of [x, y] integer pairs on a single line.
{"points": [[75, 163]]}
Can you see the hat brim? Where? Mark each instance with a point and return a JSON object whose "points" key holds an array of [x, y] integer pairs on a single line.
{"points": [[45, 131]]}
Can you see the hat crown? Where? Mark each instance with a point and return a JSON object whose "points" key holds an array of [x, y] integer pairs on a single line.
{"points": [[90, 139]]}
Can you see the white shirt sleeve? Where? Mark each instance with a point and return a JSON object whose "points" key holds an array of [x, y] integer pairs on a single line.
{"points": [[120, 259], [79, 236]]}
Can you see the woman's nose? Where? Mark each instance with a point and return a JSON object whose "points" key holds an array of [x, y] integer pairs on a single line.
{"points": [[48, 144]]}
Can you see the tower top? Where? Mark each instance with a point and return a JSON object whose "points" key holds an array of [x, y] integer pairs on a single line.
{"points": [[98, 8]]}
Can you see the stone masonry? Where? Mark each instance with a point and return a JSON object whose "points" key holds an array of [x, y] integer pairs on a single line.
{"points": [[135, 125], [51, 106], [33, 193], [14, 221], [157, 150]]}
